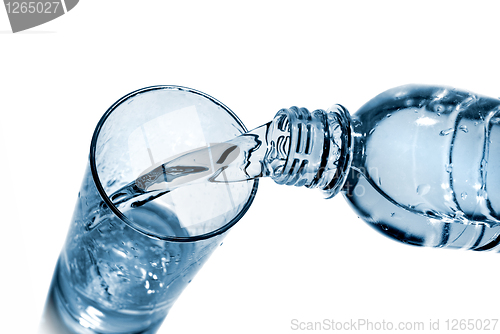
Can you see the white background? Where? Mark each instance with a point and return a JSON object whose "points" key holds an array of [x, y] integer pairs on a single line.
{"points": [[294, 255]]}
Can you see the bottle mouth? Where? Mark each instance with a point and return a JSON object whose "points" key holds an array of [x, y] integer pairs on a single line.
{"points": [[311, 149]]}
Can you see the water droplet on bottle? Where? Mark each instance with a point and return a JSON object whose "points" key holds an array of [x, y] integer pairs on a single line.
{"points": [[392, 214], [438, 108], [388, 115], [446, 132], [449, 168], [464, 128], [463, 195], [423, 189], [221, 244], [384, 227]]}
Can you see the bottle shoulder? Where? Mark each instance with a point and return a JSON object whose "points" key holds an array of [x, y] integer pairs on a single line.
{"points": [[440, 100]]}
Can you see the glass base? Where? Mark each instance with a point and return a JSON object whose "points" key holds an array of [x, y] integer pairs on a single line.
{"points": [[57, 319]]}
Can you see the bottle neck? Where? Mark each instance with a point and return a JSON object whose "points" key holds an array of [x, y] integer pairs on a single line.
{"points": [[311, 149]]}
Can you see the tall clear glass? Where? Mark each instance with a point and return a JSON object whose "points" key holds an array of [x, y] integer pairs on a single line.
{"points": [[121, 270]]}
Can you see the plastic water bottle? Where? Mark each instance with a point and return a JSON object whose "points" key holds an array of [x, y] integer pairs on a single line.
{"points": [[420, 164]]}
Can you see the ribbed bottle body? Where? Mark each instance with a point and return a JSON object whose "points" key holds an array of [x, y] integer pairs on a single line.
{"points": [[426, 167]]}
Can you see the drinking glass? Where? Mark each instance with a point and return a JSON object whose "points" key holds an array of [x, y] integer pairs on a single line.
{"points": [[121, 269]]}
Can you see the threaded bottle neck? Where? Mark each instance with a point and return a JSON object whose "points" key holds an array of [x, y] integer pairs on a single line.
{"points": [[311, 149]]}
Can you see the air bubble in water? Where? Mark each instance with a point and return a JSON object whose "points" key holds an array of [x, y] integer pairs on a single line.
{"points": [[423, 189], [446, 132]]}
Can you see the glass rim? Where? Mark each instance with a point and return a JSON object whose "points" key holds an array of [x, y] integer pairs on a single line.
{"points": [[117, 212]]}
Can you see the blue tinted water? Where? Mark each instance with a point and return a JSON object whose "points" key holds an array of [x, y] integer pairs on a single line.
{"points": [[113, 279]]}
